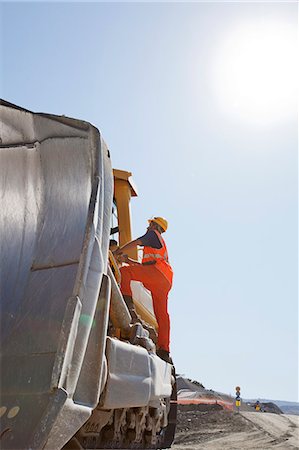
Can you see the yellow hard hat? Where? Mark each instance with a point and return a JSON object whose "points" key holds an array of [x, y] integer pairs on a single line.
{"points": [[160, 221]]}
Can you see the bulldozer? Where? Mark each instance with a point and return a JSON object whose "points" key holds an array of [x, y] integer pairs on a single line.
{"points": [[76, 372]]}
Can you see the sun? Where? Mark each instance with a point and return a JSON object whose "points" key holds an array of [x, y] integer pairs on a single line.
{"points": [[255, 72]]}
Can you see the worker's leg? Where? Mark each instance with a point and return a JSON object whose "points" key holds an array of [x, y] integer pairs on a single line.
{"points": [[160, 287], [160, 304], [131, 273], [128, 274]]}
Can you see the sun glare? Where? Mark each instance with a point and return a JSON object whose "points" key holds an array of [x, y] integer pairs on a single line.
{"points": [[255, 72]]}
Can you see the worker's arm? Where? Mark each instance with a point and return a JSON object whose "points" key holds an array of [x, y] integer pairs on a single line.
{"points": [[121, 253], [130, 261], [127, 247]]}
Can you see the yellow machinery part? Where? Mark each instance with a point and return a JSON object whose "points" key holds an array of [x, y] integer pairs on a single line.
{"points": [[114, 267], [124, 189], [145, 314]]}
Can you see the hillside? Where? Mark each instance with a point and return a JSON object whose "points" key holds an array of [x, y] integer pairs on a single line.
{"points": [[286, 407], [227, 430], [208, 419], [193, 392]]}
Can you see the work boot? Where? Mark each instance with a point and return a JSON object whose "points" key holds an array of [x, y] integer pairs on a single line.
{"points": [[130, 304], [164, 354]]}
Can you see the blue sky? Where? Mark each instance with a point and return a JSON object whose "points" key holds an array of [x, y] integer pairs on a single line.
{"points": [[197, 100]]}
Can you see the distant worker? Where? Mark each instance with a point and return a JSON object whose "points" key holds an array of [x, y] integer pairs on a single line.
{"points": [[257, 406], [156, 275]]}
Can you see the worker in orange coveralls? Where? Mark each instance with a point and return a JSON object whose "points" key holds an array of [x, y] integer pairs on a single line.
{"points": [[156, 275]]}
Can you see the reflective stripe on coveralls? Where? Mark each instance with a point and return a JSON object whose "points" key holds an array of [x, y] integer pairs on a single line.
{"points": [[153, 256], [160, 257]]}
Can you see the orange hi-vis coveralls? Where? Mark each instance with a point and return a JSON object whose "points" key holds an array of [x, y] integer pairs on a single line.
{"points": [[157, 278]]}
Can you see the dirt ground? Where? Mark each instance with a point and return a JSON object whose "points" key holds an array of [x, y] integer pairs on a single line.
{"points": [[200, 427]]}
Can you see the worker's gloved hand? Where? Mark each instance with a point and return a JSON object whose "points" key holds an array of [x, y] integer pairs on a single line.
{"points": [[122, 258], [117, 252]]}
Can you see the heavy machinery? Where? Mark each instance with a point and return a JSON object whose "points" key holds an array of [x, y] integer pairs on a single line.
{"points": [[76, 373]]}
